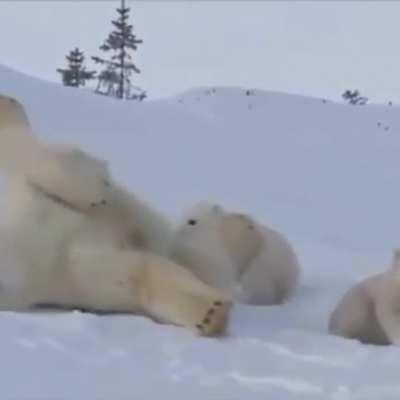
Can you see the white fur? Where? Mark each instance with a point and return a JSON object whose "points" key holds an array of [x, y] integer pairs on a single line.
{"points": [[70, 236], [104, 260], [370, 310], [66, 171], [253, 262]]}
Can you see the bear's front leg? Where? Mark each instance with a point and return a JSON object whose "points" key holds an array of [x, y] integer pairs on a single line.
{"points": [[115, 280]]}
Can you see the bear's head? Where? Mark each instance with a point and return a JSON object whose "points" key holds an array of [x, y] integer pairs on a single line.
{"points": [[236, 235], [12, 113], [202, 215]]}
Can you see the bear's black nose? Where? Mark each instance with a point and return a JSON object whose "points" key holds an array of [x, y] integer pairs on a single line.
{"points": [[192, 222]]}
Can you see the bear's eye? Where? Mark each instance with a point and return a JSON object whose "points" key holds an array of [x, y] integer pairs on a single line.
{"points": [[192, 222], [106, 182]]}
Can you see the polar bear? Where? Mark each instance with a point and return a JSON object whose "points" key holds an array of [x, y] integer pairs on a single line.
{"points": [[232, 251], [370, 310], [72, 237]]}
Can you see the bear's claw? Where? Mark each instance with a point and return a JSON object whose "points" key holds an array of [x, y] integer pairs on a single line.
{"points": [[215, 320]]}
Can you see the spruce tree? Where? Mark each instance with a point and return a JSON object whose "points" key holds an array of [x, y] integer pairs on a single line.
{"points": [[75, 74], [115, 79], [354, 97]]}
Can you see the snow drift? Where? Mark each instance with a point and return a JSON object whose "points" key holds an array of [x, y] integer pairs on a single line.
{"points": [[325, 174]]}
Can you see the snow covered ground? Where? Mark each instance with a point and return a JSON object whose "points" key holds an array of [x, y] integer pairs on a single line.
{"points": [[326, 174]]}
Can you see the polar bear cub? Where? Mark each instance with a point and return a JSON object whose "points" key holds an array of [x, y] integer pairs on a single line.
{"points": [[72, 237], [232, 251], [370, 310]]}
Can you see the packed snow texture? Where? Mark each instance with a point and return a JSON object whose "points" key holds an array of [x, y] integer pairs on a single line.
{"points": [[325, 174]]}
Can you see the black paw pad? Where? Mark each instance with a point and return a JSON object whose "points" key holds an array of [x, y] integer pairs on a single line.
{"points": [[217, 303], [211, 311], [206, 321]]}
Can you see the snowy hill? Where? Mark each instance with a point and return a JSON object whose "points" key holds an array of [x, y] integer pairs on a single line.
{"points": [[326, 174]]}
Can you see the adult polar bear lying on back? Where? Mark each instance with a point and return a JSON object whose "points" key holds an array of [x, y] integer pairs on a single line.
{"points": [[370, 310], [231, 251], [72, 237]]}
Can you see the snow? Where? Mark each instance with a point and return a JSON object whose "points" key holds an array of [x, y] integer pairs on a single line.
{"points": [[325, 174]]}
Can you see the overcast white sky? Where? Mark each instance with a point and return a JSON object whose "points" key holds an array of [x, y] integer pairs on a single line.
{"points": [[317, 47]]}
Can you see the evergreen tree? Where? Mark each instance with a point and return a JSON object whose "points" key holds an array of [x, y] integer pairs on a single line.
{"points": [[354, 97], [75, 74], [115, 79]]}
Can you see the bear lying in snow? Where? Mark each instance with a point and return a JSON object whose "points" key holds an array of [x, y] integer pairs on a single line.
{"points": [[71, 237], [231, 251], [370, 310]]}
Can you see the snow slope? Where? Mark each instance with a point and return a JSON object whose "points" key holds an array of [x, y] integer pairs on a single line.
{"points": [[326, 174]]}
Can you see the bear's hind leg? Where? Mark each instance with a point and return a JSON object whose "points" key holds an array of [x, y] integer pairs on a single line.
{"points": [[114, 280], [175, 295]]}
